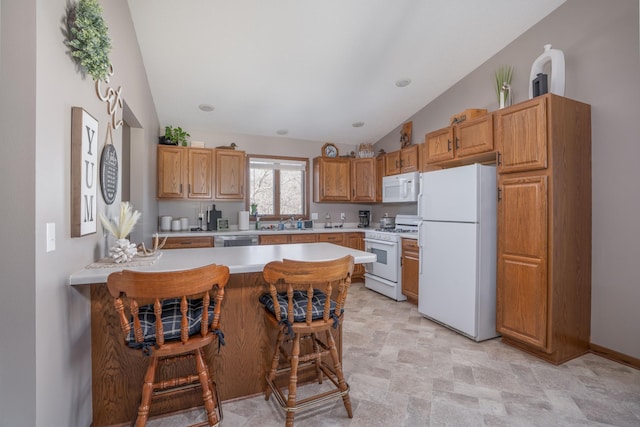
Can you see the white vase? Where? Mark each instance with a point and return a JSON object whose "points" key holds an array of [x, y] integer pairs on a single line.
{"points": [[123, 251]]}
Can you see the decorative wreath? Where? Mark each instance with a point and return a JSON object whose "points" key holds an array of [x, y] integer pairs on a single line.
{"points": [[89, 38]]}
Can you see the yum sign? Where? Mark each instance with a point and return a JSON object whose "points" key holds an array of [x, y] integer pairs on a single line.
{"points": [[84, 173]]}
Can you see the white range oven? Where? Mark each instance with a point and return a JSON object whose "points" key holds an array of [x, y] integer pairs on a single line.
{"points": [[385, 275]]}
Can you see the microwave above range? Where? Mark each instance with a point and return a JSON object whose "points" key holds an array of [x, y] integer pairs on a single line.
{"points": [[401, 188]]}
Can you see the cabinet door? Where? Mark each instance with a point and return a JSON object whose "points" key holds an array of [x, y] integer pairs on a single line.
{"points": [[332, 180], [355, 241], [172, 167], [522, 290], [274, 239], [230, 165], [439, 145], [379, 175], [392, 163], [410, 269], [409, 160], [474, 136], [522, 136], [200, 165], [188, 242], [363, 180], [304, 238]]}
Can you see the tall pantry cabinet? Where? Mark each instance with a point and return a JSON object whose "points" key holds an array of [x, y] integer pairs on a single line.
{"points": [[543, 299]]}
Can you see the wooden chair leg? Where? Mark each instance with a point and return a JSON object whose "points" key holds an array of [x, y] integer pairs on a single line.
{"points": [[316, 350], [274, 363], [342, 385], [293, 381], [147, 391], [207, 395]]}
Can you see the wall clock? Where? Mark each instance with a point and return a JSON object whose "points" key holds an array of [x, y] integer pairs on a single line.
{"points": [[329, 150]]}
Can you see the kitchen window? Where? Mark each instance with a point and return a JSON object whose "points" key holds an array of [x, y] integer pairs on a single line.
{"points": [[279, 186]]}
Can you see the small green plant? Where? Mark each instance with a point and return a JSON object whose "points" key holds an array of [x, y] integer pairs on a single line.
{"points": [[503, 77], [176, 135], [89, 38]]}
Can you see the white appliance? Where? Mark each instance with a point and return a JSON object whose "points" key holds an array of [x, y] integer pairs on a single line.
{"points": [[385, 275], [400, 188], [457, 240]]}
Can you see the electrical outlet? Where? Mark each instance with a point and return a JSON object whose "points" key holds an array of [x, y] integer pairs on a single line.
{"points": [[342, 216], [51, 236], [314, 215]]}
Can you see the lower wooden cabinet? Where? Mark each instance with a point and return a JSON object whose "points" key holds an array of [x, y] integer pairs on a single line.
{"points": [[410, 267], [355, 241], [283, 239], [188, 242]]}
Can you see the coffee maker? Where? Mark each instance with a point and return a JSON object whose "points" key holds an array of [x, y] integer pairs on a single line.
{"points": [[365, 219]]}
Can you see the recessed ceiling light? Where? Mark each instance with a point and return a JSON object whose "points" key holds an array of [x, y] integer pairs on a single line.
{"points": [[357, 124], [282, 131], [403, 82], [206, 107]]}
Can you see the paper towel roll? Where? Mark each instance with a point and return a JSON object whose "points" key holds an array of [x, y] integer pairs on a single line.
{"points": [[243, 220]]}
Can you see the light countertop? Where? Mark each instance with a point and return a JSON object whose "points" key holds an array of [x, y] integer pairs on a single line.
{"points": [[253, 232], [239, 259]]}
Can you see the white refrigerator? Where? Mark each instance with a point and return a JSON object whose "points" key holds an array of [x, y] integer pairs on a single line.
{"points": [[457, 239]]}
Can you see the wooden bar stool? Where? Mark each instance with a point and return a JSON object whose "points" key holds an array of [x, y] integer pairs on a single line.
{"points": [[300, 305], [189, 303]]}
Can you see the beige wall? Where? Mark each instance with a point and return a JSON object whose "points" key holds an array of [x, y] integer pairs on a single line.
{"points": [[600, 43], [45, 372]]}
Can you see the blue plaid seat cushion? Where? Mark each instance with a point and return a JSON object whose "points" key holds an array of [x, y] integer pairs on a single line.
{"points": [[299, 304], [171, 318]]}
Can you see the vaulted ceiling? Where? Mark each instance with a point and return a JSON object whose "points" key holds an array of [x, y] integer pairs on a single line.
{"points": [[312, 69]]}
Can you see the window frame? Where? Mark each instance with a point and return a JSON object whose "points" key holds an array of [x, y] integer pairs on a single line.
{"points": [[306, 186]]}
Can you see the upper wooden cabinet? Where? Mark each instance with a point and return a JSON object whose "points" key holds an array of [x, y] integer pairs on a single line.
{"points": [[331, 179], [172, 172], [187, 173], [199, 168], [363, 180], [379, 175], [543, 292], [401, 161], [522, 136], [230, 174], [462, 143], [184, 173]]}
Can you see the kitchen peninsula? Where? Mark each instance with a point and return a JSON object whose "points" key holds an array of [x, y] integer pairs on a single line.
{"points": [[238, 368]]}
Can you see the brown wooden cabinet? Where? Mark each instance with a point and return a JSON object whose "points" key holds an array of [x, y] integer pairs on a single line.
{"points": [[184, 173], [363, 180], [230, 174], [283, 239], [355, 241], [401, 161], [337, 238], [543, 301], [410, 262], [188, 242], [468, 142], [379, 175], [172, 172], [331, 179]]}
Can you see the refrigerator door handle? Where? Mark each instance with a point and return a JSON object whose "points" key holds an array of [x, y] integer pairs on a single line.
{"points": [[420, 243]]}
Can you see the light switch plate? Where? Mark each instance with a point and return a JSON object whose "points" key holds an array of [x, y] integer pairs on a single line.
{"points": [[51, 236], [314, 215]]}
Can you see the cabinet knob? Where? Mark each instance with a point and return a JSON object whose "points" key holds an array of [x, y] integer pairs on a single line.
{"points": [[457, 143]]}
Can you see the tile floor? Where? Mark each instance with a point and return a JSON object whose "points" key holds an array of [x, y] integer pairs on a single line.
{"points": [[405, 370]]}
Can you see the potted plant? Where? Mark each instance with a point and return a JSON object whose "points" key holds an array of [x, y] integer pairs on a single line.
{"points": [[174, 136], [503, 85]]}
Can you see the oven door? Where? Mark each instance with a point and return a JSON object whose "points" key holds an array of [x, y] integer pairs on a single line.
{"points": [[386, 265]]}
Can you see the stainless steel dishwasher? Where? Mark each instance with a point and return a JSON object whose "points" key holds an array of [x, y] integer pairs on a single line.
{"points": [[235, 240]]}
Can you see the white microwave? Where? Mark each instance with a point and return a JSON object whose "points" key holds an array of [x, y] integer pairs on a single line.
{"points": [[401, 188]]}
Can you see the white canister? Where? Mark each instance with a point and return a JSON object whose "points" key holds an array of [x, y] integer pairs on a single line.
{"points": [[243, 220], [165, 223], [175, 225], [184, 223]]}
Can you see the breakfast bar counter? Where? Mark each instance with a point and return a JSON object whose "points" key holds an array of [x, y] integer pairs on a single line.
{"points": [[238, 368]]}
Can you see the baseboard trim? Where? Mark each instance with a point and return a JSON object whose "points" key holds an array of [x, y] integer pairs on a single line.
{"points": [[615, 356]]}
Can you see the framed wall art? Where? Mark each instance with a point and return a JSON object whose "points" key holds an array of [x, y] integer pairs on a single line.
{"points": [[405, 134], [84, 173]]}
